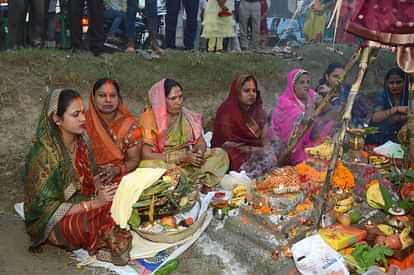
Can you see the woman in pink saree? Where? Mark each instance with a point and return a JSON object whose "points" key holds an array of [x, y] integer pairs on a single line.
{"points": [[297, 101]]}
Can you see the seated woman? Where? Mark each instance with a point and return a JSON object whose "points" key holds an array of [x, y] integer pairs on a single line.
{"points": [[329, 79], [174, 135], [65, 204], [296, 102], [390, 108], [239, 126], [113, 131]]}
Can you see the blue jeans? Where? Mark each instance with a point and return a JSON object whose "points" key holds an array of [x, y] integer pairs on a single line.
{"points": [[117, 18]]}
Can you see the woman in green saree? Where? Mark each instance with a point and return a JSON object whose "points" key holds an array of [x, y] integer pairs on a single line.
{"points": [[173, 135], [65, 204]]}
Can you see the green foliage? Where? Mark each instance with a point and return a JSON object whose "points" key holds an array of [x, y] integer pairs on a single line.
{"points": [[386, 195], [135, 220], [366, 256]]}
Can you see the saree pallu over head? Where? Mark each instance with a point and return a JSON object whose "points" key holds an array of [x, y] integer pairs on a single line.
{"points": [[385, 99], [388, 128], [287, 113], [234, 123], [110, 142], [154, 121], [289, 107], [49, 178]]}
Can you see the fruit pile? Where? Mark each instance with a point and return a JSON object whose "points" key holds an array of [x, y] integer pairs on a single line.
{"points": [[170, 195]]}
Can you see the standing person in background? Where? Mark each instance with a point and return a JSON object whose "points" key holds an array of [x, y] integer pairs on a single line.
{"points": [[200, 18], [37, 21], [153, 22], [3, 42], [96, 35], [115, 10], [51, 24], [191, 10], [132, 7], [263, 22], [249, 10], [314, 28], [218, 24]]}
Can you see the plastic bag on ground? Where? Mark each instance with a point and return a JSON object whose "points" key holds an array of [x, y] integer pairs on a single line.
{"points": [[233, 179], [313, 255]]}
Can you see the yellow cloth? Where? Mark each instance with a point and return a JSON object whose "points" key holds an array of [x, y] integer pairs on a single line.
{"points": [[314, 26], [129, 191]]}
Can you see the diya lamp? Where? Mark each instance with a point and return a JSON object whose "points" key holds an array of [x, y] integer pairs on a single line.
{"points": [[287, 251]]}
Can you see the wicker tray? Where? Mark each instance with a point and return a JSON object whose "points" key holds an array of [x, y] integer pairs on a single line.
{"points": [[176, 236]]}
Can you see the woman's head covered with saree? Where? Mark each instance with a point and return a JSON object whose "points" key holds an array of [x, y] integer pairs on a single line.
{"points": [[49, 176], [396, 82], [395, 93], [240, 119], [289, 106], [108, 137], [166, 97]]}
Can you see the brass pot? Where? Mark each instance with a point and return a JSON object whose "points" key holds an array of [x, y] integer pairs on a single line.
{"points": [[356, 139]]}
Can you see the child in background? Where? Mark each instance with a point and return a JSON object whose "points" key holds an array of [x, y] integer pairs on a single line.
{"points": [[218, 23]]}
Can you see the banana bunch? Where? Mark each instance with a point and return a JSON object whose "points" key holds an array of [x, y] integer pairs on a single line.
{"points": [[322, 151], [343, 206], [238, 195]]}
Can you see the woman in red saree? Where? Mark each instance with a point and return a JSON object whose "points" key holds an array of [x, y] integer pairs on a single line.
{"points": [[113, 131], [239, 126], [65, 204]]}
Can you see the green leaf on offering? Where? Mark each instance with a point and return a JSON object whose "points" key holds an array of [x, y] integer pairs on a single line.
{"points": [[406, 204], [367, 256], [386, 195], [135, 219]]}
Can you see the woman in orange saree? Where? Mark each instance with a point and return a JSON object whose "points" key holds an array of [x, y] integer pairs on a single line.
{"points": [[65, 204], [113, 131]]}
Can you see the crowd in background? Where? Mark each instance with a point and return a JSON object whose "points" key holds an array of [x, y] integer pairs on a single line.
{"points": [[214, 25]]}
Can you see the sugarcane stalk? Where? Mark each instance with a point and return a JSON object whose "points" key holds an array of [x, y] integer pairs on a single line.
{"points": [[301, 128], [151, 211], [410, 118], [339, 137]]}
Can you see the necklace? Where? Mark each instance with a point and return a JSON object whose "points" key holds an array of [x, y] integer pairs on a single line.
{"points": [[72, 150]]}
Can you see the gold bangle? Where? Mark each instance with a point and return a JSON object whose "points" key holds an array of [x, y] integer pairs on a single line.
{"points": [[85, 206]]}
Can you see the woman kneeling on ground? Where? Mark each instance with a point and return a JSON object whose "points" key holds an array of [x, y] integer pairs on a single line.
{"points": [[65, 204], [173, 135], [239, 126], [113, 132]]}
